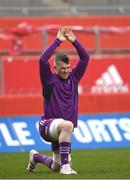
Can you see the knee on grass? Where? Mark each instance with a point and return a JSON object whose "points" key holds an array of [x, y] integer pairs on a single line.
{"points": [[55, 166]]}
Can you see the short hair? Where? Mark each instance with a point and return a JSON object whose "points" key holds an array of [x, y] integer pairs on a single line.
{"points": [[61, 57]]}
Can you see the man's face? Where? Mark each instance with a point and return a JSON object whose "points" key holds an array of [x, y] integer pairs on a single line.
{"points": [[62, 70]]}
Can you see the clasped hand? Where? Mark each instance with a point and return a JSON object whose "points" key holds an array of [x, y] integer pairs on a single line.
{"points": [[65, 33]]}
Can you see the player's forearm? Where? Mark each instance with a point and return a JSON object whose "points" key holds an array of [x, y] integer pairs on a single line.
{"points": [[45, 56], [82, 52]]}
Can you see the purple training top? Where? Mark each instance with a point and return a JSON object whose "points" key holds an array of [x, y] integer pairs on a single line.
{"points": [[61, 96]]}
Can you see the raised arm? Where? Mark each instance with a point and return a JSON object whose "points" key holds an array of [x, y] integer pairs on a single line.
{"points": [[45, 70], [83, 61], [82, 52]]}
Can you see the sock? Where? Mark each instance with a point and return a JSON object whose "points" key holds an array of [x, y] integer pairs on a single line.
{"points": [[47, 161], [55, 146], [64, 148]]}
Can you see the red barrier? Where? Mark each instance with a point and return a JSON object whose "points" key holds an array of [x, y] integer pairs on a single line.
{"points": [[26, 79], [102, 76], [104, 103], [106, 41], [88, 103], [88, 21], [12, 105]]}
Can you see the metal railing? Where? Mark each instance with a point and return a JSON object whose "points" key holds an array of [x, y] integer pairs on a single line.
{"points": [[95, 31]]}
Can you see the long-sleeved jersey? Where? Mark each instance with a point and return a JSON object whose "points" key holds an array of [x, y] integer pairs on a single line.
{"points": [[61, 95]]}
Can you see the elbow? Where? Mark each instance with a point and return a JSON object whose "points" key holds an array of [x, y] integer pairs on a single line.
{"points": [[86, 56], [42, 57], [42, 60]]}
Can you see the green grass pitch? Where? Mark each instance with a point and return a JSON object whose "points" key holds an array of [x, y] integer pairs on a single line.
{"points": [[90, 164]]}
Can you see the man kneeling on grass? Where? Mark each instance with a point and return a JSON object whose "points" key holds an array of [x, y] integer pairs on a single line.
{"points": [[60, 92]]}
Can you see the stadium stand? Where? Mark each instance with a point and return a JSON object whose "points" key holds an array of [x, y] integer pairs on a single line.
{"points": [[63, 7]]}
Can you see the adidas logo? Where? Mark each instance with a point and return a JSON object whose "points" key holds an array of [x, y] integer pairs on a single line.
{"points": [[110, 82]]}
